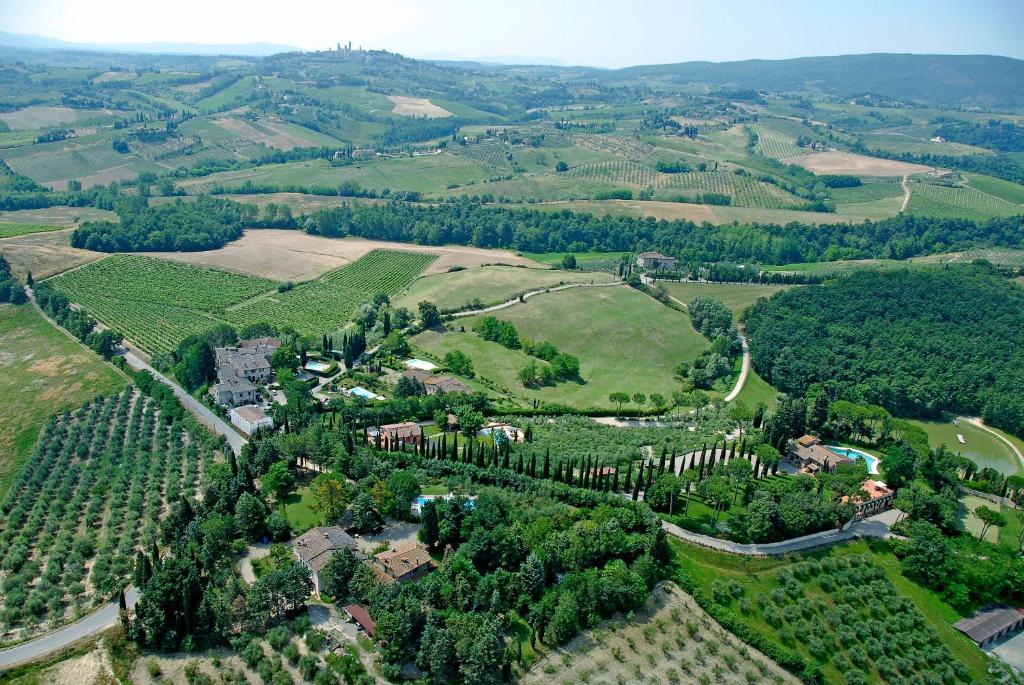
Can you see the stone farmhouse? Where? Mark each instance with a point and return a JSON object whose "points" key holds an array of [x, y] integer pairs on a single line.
{"points": [[239, 368], [879, 498], [314, 548], [398, 565], [656, 261], [436, 384], [392, 435], [809, 455]]}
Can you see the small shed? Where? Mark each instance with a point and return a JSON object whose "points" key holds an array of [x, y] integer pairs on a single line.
{"points": [[991, 623]]}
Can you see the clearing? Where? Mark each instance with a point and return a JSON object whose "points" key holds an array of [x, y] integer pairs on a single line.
{"points": [[599, 327], [417, 107], [44, 254], [490, 284], [285, 255], [42, 371], [981, 447], [736, 296], [834, 162], [670, 640]]}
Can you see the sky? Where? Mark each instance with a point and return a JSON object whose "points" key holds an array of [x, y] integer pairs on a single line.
{"points": [[602, 33]]}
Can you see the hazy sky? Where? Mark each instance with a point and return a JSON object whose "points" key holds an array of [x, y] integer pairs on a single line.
{"points": [[592, 32]]}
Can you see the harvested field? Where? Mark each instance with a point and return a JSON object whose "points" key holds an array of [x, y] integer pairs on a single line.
{"points": [[857, 165], [44, 254], [42, 117], [57, 216], [701, 213], [672, 640], [296, 256], [417, 107], [268, 133]]}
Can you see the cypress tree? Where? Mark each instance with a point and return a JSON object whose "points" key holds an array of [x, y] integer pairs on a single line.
{"points": [[233, 462], [639, 479], [547, 462], [585, 476], [533, 465], [558, 472], [519, 464], [629, 477], [757, 465], [480, 457], [504, 459], [672, 464], [615, 478], [661, 461], [598, 480], [650, 477], [732, 451]]}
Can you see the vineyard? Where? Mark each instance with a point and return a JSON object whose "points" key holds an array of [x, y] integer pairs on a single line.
{"points": [[745, 191], [326, 304], [163, 149], [157, 303], [626, 148], [774, 143], [957, 201], [90, 497], [491, 156]]}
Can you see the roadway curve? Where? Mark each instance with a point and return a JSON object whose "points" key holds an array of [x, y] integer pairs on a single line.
{"points": [[744, 371], [103, 619], [978, 423], [527, 296]]}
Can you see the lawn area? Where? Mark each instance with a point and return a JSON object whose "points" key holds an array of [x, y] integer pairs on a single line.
{"points": [[490, 284], [736, 296], [756, 390], [42, 372], [981, 447], [758, 577], [299, 510], [625, 341]]}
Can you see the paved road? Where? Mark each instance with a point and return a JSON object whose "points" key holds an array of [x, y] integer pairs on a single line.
{"points": [[874, 527], [252, 552], [744, 371], [93, 624], [513, 302], [198, 409], [905, 183]]}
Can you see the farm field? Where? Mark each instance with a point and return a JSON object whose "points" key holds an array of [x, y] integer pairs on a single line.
{"points": [[736, 296], [1004, 190], [858, 165], [981, 447], [773, 143], [43, 371], [97, 486], [417, 107], [668, 641], [37, 117], [142, 297], [15, 230], [957, 201], [596, 325], [286, 255], [57, 216], [489, 284], [44, 254], [823, 581]]}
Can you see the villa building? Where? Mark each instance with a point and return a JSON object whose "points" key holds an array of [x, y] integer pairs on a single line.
{"points": [[879, 499], [402, 564], [656, 261], [809, 455], [314, 548]]}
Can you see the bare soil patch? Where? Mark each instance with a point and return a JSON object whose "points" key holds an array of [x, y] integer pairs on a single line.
{"points": [[44, 254], [57, 216], [39, 117], [672, 640], [417, 107], [835, 162], [297, 256], [87, 669]]}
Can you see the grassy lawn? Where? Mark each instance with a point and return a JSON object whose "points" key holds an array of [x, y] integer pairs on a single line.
{"points": [[489, 284], [299, 510], [42, 372], [756, 390], [736, 296], [1006, 536], [981, 447], [758, 577], [625, 341]]}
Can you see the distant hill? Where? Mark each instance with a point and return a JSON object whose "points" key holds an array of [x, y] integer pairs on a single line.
{"points": [[30, 42], [950, 80]]}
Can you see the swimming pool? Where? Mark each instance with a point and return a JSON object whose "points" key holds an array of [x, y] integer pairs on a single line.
{"points": [[317, 366], [872, 461]]}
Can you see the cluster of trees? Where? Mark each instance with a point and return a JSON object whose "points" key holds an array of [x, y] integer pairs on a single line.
{"points": [[103, 342], [916, 342], [10, 289], [204, 224], [560, 366], [714, 321], [463, 223], [1001, 136]]}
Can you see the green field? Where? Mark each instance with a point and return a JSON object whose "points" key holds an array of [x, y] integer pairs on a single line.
{"points": [[156, 303], [758, 578], [490, 285], [625, 341], [757, 391], [981, 447], [736, 296], [1005, 190], [13, 230], [42, 371], [771, 142]]}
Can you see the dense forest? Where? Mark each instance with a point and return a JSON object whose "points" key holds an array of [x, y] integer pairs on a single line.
{"points": [[204, 224], [536, 231], [995, 135], [916, 342], [10, 288]]}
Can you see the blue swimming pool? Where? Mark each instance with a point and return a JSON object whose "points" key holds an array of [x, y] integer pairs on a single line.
{"points": [[872, 461]]}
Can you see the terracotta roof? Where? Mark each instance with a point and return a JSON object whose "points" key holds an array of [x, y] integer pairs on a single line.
{"points": [[404, 430], [399, 562], [315, 547], [361, 616], [653, 255], [250, 413], [807, 441]]}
